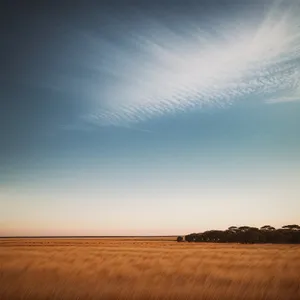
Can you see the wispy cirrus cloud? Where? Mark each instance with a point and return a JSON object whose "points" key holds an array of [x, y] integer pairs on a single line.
{"points": [[283, 99], [160, 71]]}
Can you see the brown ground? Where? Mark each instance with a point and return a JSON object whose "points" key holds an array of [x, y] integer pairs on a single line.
{"points": [[146, 269]]}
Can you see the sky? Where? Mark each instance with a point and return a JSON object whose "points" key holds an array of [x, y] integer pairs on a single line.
{"points": [[148, 117]]}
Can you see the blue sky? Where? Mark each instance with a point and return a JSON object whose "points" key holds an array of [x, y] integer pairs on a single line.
{"points": [[149, 118]]}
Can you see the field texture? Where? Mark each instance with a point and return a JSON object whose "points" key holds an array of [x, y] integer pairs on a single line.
{"points": [[146, 269]]}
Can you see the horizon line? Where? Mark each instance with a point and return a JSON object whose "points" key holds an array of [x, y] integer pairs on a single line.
{"points": [[84, 236]]}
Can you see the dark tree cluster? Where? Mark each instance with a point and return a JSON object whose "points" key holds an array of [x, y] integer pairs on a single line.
{"points": [[288, 234]]}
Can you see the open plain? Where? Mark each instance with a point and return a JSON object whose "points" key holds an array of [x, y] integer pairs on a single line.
{"points": [[146, 268]]}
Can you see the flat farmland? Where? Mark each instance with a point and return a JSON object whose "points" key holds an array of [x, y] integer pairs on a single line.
{"points": [[146, 268]]}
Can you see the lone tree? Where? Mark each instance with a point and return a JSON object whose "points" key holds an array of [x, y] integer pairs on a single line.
{"points": [[180, 239]]}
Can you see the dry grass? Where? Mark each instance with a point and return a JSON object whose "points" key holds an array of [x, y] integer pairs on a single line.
{"points": [[146, 269]]}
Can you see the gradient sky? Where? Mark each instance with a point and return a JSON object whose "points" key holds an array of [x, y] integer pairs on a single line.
{"points": [[148, 117]]}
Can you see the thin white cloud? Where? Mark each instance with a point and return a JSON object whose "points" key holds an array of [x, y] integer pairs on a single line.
{"points": [[168, 72], [283, 99]]}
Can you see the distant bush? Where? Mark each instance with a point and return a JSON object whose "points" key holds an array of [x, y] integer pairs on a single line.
{"points": [[288, 234], [180, 239]]}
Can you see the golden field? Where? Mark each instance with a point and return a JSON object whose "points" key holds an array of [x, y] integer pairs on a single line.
{"points": [[144, 268]]}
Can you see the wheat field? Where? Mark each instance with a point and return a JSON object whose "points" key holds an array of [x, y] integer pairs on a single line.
{"points": [[146, 269]]}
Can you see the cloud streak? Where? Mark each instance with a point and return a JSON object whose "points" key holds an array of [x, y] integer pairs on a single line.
{"points": [[283, 99], [163, 72]]}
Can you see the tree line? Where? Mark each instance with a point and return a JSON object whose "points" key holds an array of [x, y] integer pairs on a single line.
{"points": [[288, 234]]}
